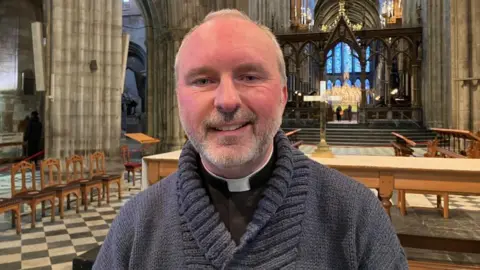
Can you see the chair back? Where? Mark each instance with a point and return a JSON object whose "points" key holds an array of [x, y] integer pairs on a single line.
{"points": [[431, 148], [74, 168], [125, 154], [50, 173], [24, 167], [97, 164]]}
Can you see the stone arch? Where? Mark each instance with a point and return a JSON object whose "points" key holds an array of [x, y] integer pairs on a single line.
{"points": [[358, 11]]}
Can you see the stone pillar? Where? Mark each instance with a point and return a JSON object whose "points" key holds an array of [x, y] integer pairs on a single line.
{"points": [[464, 64], [84, 105], [263, 10]]}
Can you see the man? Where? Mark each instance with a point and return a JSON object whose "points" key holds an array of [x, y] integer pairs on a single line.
{"points": [[242, 197], [33, 136]]}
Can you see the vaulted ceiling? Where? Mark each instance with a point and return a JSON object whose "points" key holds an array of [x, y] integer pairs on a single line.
{"points": [[358, 11]]}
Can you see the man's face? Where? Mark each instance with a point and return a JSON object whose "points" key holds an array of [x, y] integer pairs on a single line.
{"points": [[230, 93]]}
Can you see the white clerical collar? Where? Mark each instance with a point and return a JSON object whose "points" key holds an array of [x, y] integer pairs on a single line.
{"points": [[240, 184]]}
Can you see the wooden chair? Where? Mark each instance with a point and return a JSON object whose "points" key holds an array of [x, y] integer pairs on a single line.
{"points": [[130, 167], [87, 185], [98, 171], [54, 182], [31, 195], [14, 206]]}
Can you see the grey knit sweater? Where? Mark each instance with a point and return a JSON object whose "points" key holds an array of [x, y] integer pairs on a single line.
{"points": [[311, 217]]}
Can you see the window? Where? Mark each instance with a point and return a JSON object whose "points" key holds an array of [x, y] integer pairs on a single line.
{"points": [[329, 62], [343, 59], [329, 84], [338, 83], [126, 4], [367, 84], [358, 83], [349, 83]]}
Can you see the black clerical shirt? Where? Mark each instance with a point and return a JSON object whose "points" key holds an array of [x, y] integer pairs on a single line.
{"points": [[236, 208]]}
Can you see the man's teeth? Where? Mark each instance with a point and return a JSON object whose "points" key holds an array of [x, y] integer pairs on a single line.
{"points": [[230, 128]]}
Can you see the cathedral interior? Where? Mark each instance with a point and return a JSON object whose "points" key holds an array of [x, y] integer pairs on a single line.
{"points": [[365, 78]]}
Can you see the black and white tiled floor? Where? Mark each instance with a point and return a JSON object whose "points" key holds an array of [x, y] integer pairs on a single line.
{"points": [[54, 245]]}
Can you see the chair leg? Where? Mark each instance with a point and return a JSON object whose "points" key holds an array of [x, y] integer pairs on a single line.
{"points": [[52, 203], [33, 214], [99, 196], [68, 202], [128, 176], [445, 206], [439, 202], [403, 206], [43, 209], [85, 199], [61, 206], [77, 194], [120, 189], [16, 213], [133, 175], [107, 185]]}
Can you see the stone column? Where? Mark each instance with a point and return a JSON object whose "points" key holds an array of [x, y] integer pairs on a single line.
{"points": [[264, 10], [464, 64], [83, 111]]}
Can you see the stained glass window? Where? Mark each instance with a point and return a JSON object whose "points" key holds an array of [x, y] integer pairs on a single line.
{"points": [[329, 84], [349, 83], [367, 67], [367, 84], [338, 58], [358, 83], [347, 59], [338, 83], [356, 63], [329, 62], [343, 59]]}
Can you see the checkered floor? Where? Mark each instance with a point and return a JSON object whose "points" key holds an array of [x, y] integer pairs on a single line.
{"points": [[54, 245], [458, 202]]}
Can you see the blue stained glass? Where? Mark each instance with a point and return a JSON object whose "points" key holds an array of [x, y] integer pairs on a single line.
{"points": [[349, 83], [358, 83], [347, 59], [367, 68], [367, 84], [329, 84], [356, 63], [338, 58], [329, 62], [338, 83]]}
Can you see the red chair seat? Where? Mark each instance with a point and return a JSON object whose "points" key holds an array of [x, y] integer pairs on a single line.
{"points": [[133, 165]]}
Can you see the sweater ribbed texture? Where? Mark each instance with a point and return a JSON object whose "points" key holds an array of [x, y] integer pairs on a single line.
{"points": [[310, 217]]}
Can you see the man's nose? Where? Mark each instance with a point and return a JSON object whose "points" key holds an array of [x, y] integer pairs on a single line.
{"points": [[227, 99]]}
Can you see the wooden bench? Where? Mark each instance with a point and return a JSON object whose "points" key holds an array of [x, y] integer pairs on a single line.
{"points": [[402, 145], [292, 135], [434, 150], [297, 144]]}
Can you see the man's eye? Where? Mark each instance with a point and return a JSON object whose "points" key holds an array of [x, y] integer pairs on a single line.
{"points": [[248, 78], [202, 82]]}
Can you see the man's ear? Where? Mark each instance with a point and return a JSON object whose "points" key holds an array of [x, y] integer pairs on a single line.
{"points": [[284, 95]]}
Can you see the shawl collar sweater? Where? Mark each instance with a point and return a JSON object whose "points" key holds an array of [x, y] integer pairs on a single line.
{"points": [[310, 217]]}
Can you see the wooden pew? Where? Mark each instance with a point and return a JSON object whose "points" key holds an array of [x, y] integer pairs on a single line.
{"points": [[402, 145], [419, 265], [292, 135]]}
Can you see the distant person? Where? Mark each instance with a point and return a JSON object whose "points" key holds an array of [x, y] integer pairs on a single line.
{"points": [[339, 113], [33, 136], [349, 113], [21, 128]]}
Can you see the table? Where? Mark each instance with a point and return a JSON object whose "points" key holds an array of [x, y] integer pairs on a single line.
{"points": [[382, 173]]}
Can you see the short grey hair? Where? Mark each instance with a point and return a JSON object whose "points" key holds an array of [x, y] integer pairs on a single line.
{"points": [[233, 13]]}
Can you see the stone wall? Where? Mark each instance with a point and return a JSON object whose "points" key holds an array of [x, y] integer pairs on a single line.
{"points": [[16, 56]]}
